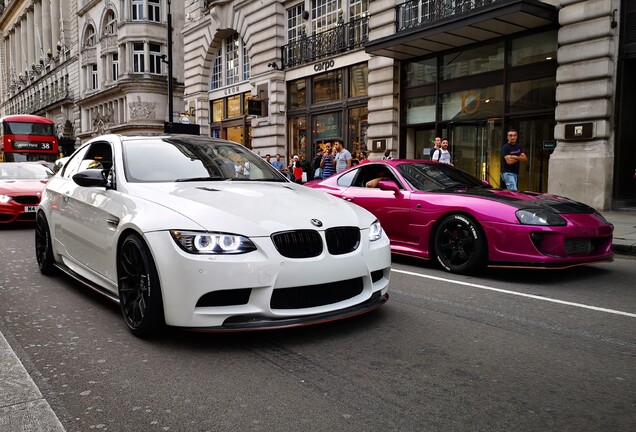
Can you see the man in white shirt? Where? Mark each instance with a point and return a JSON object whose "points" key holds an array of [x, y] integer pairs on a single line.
{"points": [[442, 154], [342, 158]]}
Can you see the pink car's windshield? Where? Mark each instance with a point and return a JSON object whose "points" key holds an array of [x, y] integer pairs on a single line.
{"points": [[427, 177]]}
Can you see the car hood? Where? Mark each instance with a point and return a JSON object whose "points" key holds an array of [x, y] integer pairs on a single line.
{"points": [[21, 187], [253, 208], [525, 200]]}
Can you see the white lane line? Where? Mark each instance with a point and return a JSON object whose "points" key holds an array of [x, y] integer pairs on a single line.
{"points": [[536, 297]]}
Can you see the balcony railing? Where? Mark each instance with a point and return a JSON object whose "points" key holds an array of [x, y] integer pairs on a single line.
{"points": [[344, 37], [416, 13]]}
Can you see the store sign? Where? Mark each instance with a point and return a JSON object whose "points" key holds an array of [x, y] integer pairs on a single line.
{"points": [[579, 131], [232, 90], [324, 66], [254, 107]]}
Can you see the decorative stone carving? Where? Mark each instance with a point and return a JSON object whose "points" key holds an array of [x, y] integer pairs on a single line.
{"points": [[142, 110]]}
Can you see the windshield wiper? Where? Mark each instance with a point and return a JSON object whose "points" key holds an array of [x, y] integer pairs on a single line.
{"points": [[193, 179]]}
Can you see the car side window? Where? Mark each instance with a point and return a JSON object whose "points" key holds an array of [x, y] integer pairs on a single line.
{"points": [[73, 165], [346, 179], [97, 155]]}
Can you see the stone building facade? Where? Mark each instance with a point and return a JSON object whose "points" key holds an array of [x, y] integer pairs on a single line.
{"points": [[287, 76], [93, 67]]}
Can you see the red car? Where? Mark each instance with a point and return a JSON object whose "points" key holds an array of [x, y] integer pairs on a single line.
{"points": [[431, 210], [21, 185]]}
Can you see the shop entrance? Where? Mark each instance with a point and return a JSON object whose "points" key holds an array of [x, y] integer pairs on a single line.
{"points": [[476, 148]]}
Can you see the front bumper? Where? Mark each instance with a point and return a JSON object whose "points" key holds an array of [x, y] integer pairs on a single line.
{"points": [[584, 240], [235, 292]]}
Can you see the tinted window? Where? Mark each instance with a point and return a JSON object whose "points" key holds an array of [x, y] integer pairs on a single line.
{"points": [[427, 177]]}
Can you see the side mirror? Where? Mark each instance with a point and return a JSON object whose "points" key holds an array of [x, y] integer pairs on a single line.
{"points": [[389, 185], [91, 177]]}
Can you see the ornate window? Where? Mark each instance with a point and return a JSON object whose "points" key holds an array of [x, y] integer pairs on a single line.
{"points": [[231, 63], [154, 11], [110, 23], [89, 37], [137, 12], [114, 61]]}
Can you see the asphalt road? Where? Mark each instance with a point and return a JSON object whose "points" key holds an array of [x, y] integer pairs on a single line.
{"points": [[509, 350]]}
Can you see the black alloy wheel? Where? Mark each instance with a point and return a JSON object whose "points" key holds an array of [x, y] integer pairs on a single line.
{"points": [[460, 245], [139, 289], [43, 247]]}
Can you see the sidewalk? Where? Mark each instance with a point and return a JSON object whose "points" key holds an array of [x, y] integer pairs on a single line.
{"points": [[22, 407], [624, 231]]}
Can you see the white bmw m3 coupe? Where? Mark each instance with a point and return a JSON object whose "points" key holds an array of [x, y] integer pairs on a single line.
{"points": [[204, 234]]}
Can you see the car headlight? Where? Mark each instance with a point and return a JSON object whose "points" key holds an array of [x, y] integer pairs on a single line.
{"points": [[540, 217], [4, 199], [375, 231], [212, 243]]}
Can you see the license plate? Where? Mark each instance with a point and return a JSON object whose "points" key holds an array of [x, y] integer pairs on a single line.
{"points": [[29, 209]]}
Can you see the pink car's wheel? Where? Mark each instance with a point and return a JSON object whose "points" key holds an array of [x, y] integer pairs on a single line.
{"points": [[460, 245]]}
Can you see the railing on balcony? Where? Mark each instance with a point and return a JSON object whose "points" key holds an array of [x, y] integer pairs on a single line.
{"points": [[344, 37], [415, 13]]}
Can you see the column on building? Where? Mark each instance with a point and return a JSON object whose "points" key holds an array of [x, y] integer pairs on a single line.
{"points": [[55, 24], [45, 30], [37, 18], [583, 168], [30, 38], [383, 84]]}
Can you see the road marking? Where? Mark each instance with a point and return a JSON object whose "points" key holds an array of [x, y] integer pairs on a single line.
{"points": [[532, 296]]}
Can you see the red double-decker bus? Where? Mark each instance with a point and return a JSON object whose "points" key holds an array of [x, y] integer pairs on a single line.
{"points": [[28, 137]]}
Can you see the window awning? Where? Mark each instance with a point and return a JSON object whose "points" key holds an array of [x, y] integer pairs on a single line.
{"points": [[484, 23]]}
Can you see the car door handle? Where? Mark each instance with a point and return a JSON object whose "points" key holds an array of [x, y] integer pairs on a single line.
{"points": [[66, 196]]}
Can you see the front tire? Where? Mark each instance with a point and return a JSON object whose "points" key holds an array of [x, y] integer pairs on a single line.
{"points": [[460, 245], [43, 246], [139, 288]]}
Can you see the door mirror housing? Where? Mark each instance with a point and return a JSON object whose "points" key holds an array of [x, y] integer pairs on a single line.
{"points": [[91, 178], [389, 185]]}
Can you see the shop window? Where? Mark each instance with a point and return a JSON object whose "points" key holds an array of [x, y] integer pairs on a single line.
{"points": [[533, 49], [326, 126], [532, 95], [421, 72], [473, 61], [217, 110], [358, 80], [328, 87], [358, 125], [298, 134], [297, 93], [420, 110], [475, 103], [234, 106]]}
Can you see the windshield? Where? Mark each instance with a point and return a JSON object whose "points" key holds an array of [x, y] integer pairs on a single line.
{"points": [[194, 159], [24, 171], [19, 128], [428, 177]]}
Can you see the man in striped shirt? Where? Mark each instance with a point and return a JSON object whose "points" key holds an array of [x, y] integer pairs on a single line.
{"points": [[328, 164]]}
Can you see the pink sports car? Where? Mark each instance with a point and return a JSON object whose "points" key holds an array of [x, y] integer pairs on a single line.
{"points": [[431, 210]]}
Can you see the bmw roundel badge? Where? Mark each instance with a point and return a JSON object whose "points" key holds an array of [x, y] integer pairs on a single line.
{"points": [[316, 222]]}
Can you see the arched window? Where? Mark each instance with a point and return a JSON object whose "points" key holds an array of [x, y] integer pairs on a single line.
{"points": [[89, 37], [231, 64], [110, 23]]}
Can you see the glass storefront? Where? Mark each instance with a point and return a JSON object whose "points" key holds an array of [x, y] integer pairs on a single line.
{"points": [[473, 95], [328, 106], [229, 119]]}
